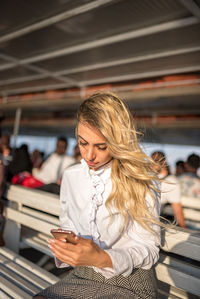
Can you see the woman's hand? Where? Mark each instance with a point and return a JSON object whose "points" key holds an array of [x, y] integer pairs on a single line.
{"points": [[84, 253]]}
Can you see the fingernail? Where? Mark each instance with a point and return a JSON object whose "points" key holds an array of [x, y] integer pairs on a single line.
{"points": [[51, 240]]}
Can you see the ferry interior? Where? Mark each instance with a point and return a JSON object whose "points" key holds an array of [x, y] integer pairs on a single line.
{"points": [[54, 53]]}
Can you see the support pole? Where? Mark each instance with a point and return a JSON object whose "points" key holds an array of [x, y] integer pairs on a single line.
{"points": [[16, 126]]}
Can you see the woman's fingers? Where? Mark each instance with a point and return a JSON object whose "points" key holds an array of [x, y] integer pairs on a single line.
{"points": [[84, 253], [63, 251]]}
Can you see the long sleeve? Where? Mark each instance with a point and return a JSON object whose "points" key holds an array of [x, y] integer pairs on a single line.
{"points": [[137, 248]]}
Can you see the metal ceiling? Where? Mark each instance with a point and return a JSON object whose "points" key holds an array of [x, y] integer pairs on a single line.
{"points": [[72, 46]]}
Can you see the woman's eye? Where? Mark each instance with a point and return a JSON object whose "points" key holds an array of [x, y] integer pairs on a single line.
{"points": [[102, 148], [82, 143]]}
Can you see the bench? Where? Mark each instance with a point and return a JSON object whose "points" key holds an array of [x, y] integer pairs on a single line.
{"points": [[32, 213], [191, 210], [178, 269], [20, 278]]}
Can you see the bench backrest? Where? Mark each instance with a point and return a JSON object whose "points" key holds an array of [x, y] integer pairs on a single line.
{"points": [[179, 263], [191, 210], [29, 208]]}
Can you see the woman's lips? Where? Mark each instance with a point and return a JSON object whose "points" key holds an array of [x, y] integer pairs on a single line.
{"points": [[91, 163]]}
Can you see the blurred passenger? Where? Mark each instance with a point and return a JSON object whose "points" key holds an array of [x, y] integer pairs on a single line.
{"points": [[53, 168], [180, 167], [170, 188], [21, 162], [4, 141], [5, 150], [2, 201], [77, 154], [190, 181], [36, 159], [2, 178]]}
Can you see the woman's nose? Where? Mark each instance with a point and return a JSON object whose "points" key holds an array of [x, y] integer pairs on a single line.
{"points": [[90, 154]]}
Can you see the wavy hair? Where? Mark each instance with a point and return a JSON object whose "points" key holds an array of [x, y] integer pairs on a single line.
{"points": [[131, 173]]}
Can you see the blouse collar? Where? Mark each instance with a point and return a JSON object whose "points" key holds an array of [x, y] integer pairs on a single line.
{"points": [[104, 170]]}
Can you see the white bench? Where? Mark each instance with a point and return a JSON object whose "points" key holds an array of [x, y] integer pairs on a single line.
{"points": [[36, 212], [178, 268], [20, 278], [30, 214], [191, 210]]}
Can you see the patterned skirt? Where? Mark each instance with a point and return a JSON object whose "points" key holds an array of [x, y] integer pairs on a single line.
{"points": [[85, 283]]}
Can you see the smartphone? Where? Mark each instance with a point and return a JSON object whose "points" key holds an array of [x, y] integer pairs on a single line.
{"points": [[68, 235]]}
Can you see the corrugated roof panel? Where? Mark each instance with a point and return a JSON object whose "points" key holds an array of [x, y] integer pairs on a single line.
{"points": [[138, 69], [16, 72], [181, 38], [118, 17], [17, 14]]}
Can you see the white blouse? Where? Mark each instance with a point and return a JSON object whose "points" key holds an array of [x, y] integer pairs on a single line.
{"points": [[83, 196]]}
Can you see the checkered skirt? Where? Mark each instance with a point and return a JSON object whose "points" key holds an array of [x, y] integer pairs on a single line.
{"points": [[85, 283]]}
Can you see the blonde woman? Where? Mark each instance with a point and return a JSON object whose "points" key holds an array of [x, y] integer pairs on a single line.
{"points": [[110, 201]]}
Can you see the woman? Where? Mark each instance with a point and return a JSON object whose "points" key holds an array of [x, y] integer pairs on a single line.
{"points": [[111, 202]]}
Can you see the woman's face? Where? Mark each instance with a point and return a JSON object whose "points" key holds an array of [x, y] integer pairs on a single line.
{"points": [[92, 146]]}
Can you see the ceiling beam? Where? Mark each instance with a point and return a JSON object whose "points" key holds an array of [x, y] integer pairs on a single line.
{"points": [[96, 66], [143, 75], [54, 19], [113, 39], [192, 7], [129, 60], [42, 72]]}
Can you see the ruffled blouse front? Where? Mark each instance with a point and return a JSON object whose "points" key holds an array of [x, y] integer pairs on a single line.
{"points": [[98, 179]]}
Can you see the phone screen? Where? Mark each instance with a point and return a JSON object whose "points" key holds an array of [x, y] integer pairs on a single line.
{"points": [[68, 235]]}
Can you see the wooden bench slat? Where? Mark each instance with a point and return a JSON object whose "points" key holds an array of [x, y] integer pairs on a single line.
{"points": [[29, 221], [179, 279], [185, 243], [29, 265], [180, 265], [38, 244], [13, 290], [33, 198], [18, 280], [190, 202], [34, 279], [172, 295], [45, 217], [189, 213], [3, 294]]}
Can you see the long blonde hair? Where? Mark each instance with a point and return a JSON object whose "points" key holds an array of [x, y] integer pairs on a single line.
{"points": [[131, 173]]}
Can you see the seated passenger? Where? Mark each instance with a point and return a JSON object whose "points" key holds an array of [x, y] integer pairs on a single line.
{"points": [[21, 162], [170, 188], [180, 167], [190, 181], [52, 169]]}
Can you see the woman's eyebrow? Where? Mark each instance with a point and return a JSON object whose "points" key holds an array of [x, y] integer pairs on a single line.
{"points": [[82, 138], [97, 144]]}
